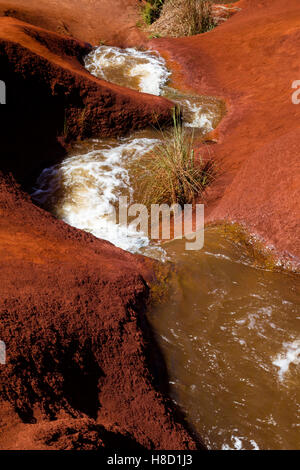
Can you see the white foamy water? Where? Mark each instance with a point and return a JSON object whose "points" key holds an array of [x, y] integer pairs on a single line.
{"points": [[238, 444], [145, 71], [148, 68], [84, 188], [289, 355], [199, 119]]}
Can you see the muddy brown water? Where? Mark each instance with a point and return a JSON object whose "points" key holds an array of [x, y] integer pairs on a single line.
{"points": [[230, 332]]}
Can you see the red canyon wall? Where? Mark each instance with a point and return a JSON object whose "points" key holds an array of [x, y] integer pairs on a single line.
{"points": [[83, 370], [251, 62], [80, 354], [112, 21], [50, 95]]}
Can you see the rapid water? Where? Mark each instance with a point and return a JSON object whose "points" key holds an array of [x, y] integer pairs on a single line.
{"points": [[134, 69], [83, 190], [230, 332], [146, 72]]}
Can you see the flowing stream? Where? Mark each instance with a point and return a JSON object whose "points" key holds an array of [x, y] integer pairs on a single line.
{"points": [[230, 332]]}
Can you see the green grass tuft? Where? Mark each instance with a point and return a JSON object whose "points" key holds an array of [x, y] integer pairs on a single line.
{"points": [[171, 174], [151, 10]]}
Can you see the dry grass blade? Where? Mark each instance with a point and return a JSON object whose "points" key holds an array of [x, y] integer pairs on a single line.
{"points": [[184, 18], [172, 175]]}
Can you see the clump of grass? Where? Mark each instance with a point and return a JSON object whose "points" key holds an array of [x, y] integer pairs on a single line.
{"points": [[172, 174], [198, 16], [185, 18]]}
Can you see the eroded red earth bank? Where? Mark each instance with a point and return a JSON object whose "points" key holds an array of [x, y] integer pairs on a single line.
{"points": [[81, 365], [112, 21], [82, 370], [251, 61]]}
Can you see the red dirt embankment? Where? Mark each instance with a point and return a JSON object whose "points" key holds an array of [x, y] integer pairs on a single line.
{"points": [[82, 370], [111, 21], [251, 62], [79, 349], [50, 94]]}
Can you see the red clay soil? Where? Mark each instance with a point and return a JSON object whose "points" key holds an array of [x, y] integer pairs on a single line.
{"points": [[251, 61], [83, 370], [111, 21], [80, 355], [55, 96]]}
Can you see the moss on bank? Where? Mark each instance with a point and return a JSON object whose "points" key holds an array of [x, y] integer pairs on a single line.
{"points": [[151, 10], [260, 255]]}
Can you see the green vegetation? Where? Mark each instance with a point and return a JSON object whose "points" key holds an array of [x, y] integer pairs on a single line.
{"points": [[260, 256], [154, 36], [172, 174], [151, 10]]}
